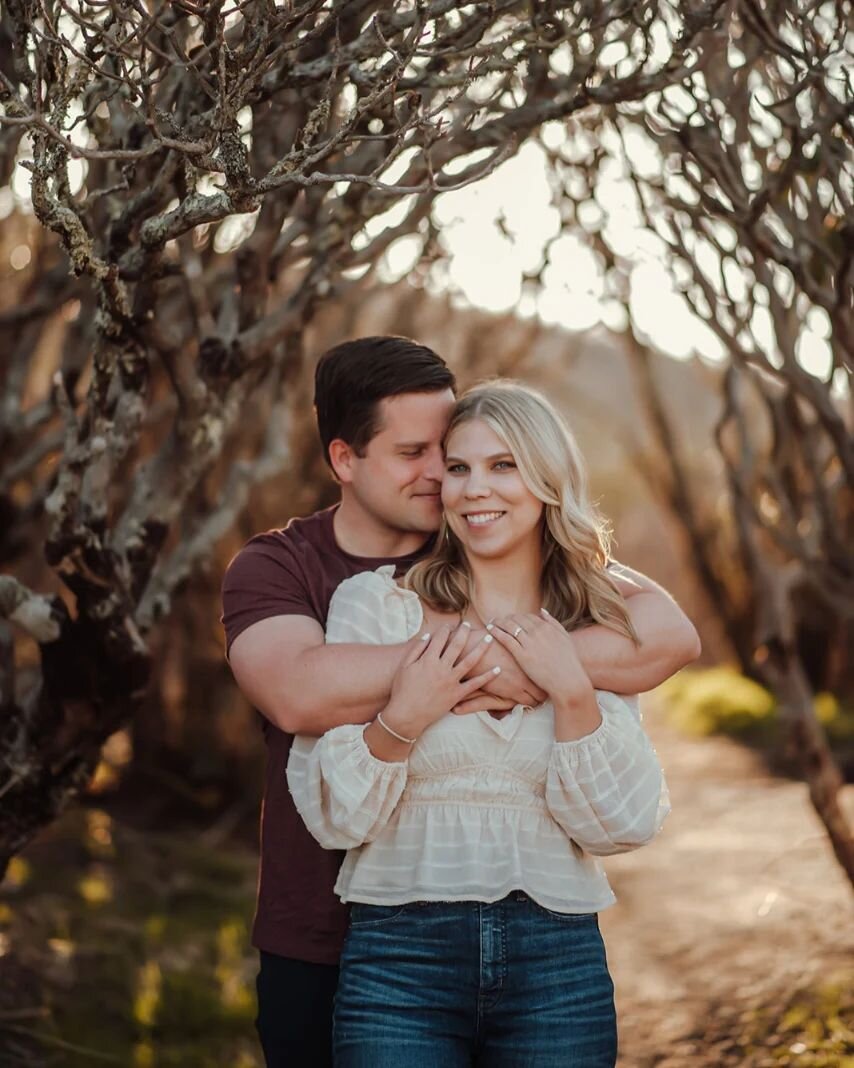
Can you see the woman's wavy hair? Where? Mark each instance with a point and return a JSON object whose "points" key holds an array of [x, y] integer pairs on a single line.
{"points": [[576, 586]]}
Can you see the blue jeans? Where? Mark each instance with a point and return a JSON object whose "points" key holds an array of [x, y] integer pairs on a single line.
{"points": [[453, 985]]}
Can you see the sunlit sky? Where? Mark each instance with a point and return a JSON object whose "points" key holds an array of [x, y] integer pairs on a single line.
{"points": [[486, 265], [485, 261]]}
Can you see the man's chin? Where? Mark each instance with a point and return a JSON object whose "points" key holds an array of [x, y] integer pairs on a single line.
{"points": [[424, 528], [424, 523]]}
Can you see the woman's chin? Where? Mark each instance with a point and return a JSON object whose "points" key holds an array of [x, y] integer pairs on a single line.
{"points": [[485, 549]]}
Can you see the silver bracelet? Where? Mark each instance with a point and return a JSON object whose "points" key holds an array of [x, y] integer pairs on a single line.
{"points": [[394, 734]]}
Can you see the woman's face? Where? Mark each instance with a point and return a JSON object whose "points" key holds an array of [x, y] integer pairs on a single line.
{"points": [[486, 502]]}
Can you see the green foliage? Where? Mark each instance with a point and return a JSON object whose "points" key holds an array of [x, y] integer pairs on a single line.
{"points": [[810, 1028], [146, 960], [837, 718], [721, 701]]}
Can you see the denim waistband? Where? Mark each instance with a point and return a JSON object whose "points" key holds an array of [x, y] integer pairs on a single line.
{"points": [[514, 895]]}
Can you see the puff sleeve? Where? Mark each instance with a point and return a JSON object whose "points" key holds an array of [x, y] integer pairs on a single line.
{"points": [[607, 790], [343, 793]]}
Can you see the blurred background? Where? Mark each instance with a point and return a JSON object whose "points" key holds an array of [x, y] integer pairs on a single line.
{"points": [[712, 403]]}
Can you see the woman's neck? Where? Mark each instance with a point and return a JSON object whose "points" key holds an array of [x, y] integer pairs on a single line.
{"points": [[507, 584]]}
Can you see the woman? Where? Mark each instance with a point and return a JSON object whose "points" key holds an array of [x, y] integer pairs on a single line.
{"points": [[471, 840]]}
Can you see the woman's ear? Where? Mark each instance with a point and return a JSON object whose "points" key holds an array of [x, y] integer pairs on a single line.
{"points": [[341, 457]]}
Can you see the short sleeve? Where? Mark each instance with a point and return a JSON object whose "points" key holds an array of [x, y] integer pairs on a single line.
{"points": [[263, 580]]}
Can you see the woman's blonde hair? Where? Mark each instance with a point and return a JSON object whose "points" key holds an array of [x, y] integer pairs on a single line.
{"points": [[576, 586]]}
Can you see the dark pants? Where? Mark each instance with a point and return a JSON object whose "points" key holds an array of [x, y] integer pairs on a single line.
{"points": [[504, 985], [295, 1012]]}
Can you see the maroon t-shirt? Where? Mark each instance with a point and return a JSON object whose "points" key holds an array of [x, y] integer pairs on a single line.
{"points": [[293, 572]]}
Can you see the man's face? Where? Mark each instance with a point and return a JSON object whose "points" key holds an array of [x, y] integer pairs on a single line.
{"points": [[398, 480]]}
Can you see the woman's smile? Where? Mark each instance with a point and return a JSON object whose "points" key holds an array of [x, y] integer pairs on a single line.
{"points": [[482, 519], [487, 503]]}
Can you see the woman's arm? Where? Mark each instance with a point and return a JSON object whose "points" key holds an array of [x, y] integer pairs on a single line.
{"points": [[346, 785], [605, 788], [344, 794]]}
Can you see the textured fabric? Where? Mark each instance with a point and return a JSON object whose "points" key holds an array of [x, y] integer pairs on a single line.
{"points": [[501, 985], [293, 572], [482, 806]]}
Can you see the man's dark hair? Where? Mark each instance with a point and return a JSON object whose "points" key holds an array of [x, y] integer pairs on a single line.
{"points": [[352, 378]]}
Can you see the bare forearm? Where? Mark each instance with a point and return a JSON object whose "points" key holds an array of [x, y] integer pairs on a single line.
{"points": [[335, 684], [576, 715], [385, 746], [668, 641]]}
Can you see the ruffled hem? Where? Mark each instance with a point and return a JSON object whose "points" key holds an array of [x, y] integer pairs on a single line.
{"points": [[374, 896]]}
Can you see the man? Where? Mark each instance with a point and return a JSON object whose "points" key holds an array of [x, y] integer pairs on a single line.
{"points": [[382, 407]]}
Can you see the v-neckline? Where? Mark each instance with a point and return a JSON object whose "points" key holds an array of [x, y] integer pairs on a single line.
{"points": [[506, 727]]}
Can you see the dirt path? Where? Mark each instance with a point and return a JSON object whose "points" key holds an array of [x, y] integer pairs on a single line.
{"points": [[739, 902]]}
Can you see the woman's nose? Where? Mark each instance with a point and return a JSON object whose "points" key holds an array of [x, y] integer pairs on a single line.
{"points": [[476, 487]]}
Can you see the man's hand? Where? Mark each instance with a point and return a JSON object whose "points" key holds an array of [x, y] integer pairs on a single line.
{"points": [[509, 688]]}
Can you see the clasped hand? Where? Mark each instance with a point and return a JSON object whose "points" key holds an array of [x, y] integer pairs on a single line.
{"points": [[545, 652], [430, 679]]}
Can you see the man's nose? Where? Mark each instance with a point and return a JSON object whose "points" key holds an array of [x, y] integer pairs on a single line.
{"points": [[434, 468]]}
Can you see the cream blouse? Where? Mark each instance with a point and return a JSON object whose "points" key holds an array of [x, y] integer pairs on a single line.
{"points": [[482, 806]]}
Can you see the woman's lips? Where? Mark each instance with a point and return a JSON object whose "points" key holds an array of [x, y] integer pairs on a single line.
{"points": [[477, 520]]}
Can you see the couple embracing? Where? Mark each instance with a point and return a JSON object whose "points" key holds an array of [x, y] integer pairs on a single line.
{"points": [[446, 663]]}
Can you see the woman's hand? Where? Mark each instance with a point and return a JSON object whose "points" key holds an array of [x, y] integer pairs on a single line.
{"points": [[429, 681], [547, 655], [507, 688], [545, 652]]}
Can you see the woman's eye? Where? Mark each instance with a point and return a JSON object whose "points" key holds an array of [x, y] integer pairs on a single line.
{"points": [[504, 463], [456, 469]]}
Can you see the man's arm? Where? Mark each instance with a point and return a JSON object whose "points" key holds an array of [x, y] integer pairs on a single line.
{"points": [[668, 639], [304, 686]]}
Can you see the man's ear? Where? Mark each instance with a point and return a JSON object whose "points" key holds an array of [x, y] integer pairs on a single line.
{"points": [[341, 457]]}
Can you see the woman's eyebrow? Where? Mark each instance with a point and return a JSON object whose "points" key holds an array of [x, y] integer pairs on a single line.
{"points": [[487, 459]]}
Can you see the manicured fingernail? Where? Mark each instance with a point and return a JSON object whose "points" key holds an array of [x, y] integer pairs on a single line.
{"points": [[545, 613], [488, 638], [490, 626], [425, 637], [496, 671], [465, 623]]}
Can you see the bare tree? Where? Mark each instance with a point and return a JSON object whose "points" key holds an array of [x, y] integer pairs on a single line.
{"points": [[186, 156], [744, 171]]}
